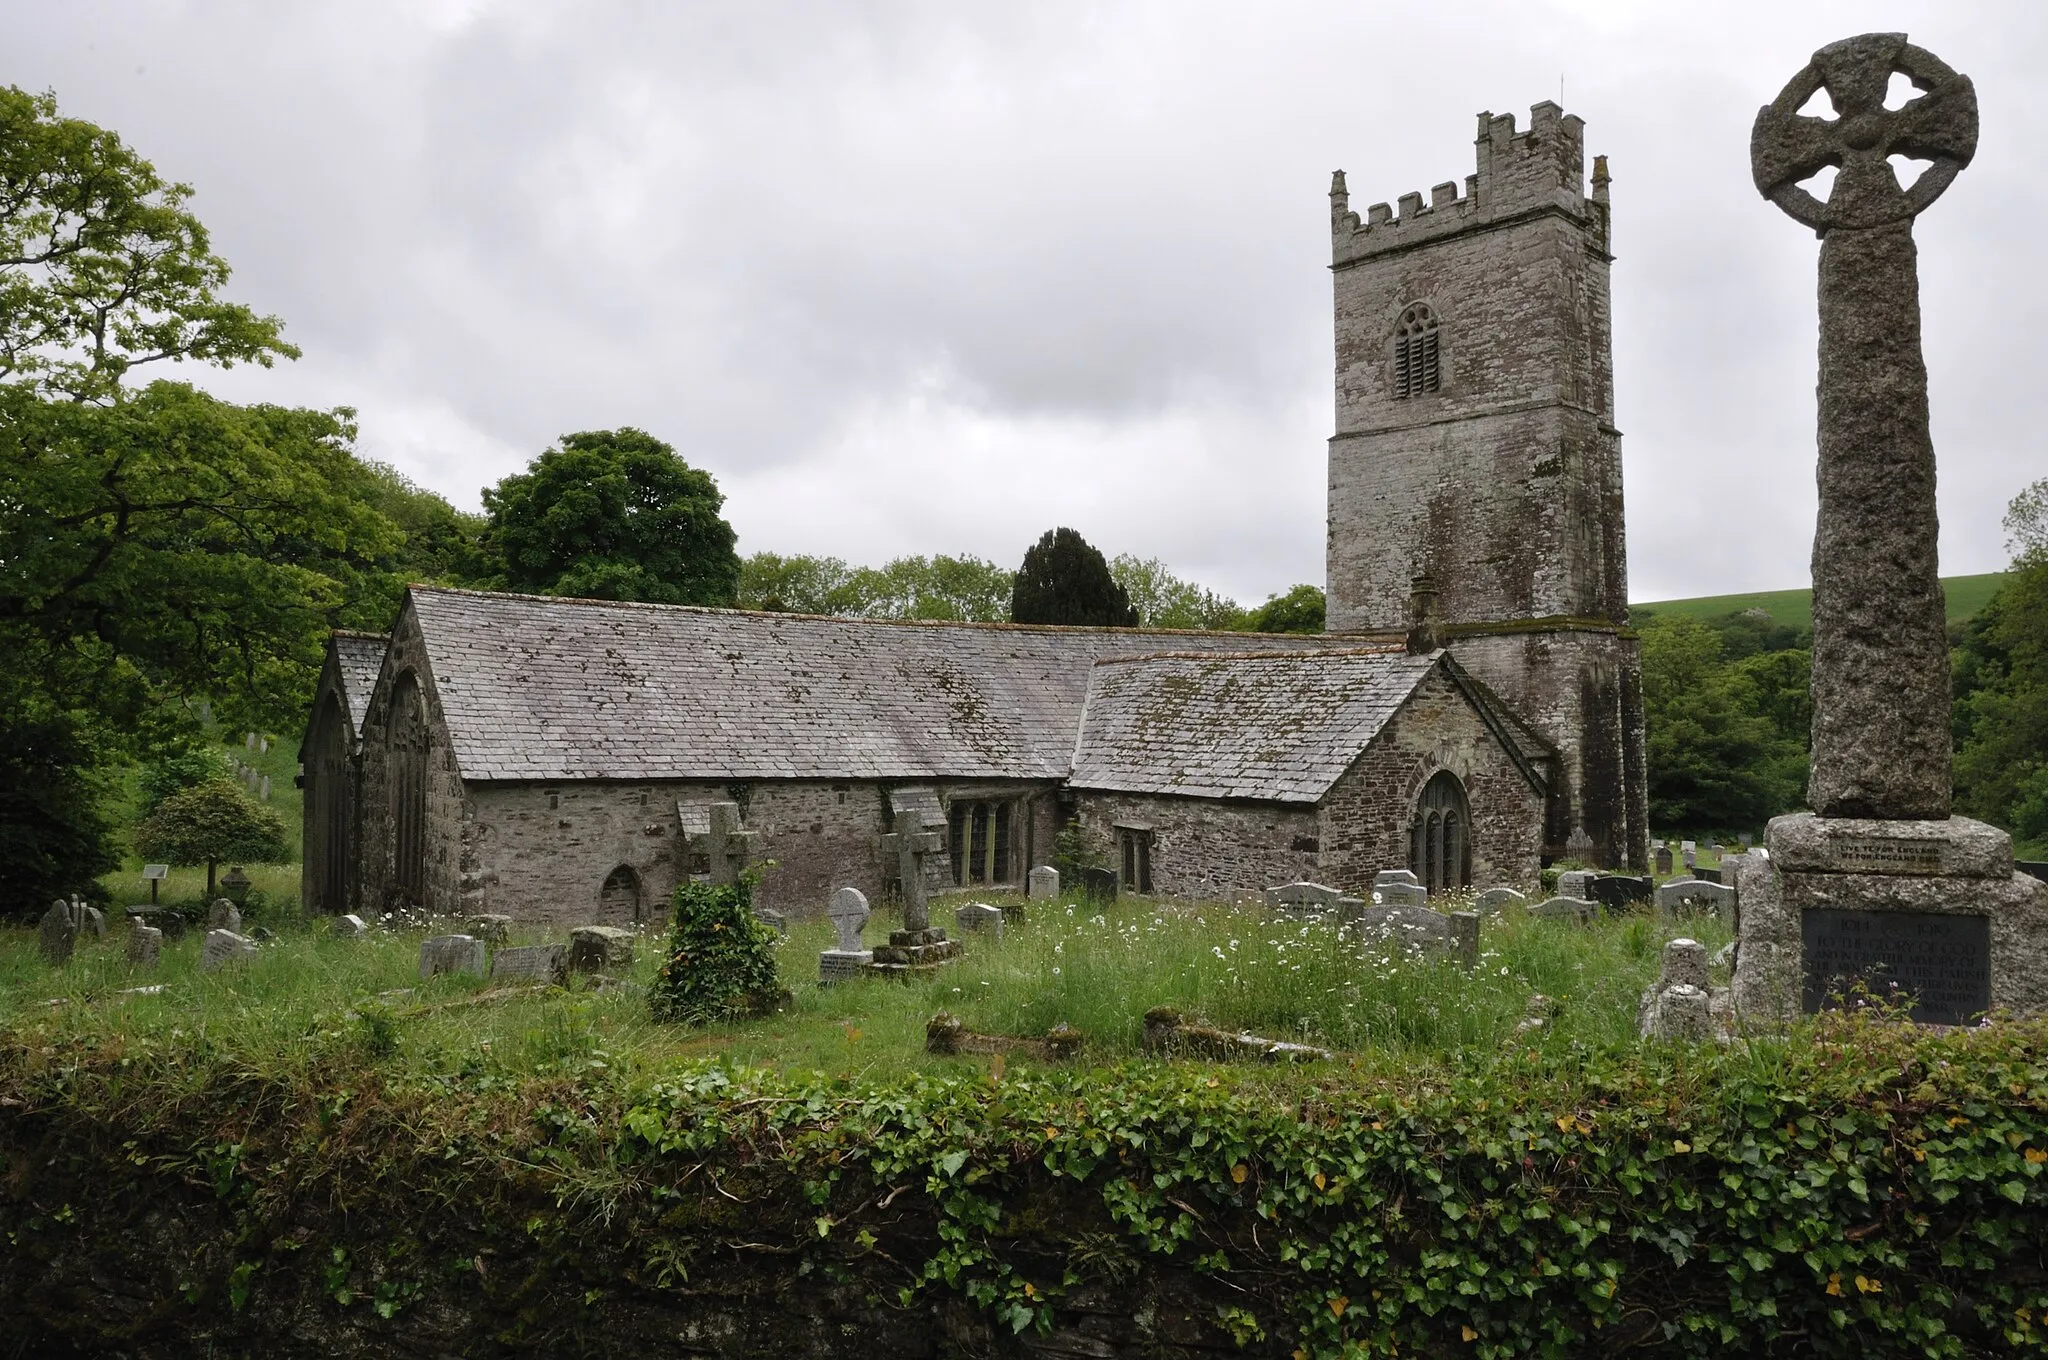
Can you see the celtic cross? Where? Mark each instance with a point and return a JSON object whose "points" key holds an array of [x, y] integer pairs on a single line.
{"points": [[1880, 645]]}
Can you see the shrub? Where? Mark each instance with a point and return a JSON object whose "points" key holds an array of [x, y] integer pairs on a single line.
{"points": [[721, 958], [211, 823]]}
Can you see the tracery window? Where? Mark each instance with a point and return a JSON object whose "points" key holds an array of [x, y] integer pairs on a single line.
{"points": [[1418, 367], [978, 839], [1440, 842]]}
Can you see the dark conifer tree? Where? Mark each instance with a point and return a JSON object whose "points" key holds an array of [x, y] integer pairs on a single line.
{"points": [[1064, 580]]}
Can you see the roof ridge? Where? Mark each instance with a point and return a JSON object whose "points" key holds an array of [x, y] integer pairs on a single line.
{"points": [[1298, 654]]}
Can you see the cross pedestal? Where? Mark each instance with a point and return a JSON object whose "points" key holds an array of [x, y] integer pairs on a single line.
{"points": [[918, 945], [725, 846]]}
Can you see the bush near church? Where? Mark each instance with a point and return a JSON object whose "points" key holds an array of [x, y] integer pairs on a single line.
{"points": [[720, 963]]}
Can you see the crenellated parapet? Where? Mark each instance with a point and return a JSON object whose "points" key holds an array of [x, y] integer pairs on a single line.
{"points": [[1518, 173]]}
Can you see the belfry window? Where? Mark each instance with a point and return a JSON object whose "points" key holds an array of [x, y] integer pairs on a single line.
{"points": [[1440, 842], [1418, 367]]}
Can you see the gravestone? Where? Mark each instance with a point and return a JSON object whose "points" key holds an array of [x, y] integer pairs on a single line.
{"points": [[1664, 861], [58, 935], [1745, 840], [451, 954], [1689, 855], [848, 912], [145, 946], [1879, 888], [224, 947], [1409, 926], [1576, 884], [163, 918], [89, 918], [348, 927], [1573, 909], [1465, 937], [1695, 897], [919, 946], [600, 949], [1618, 892], [1098, 885], [1579, 846], [1402, 894], [263, 789], [235, 882], [774, 920], [1678, 1005], [724, 846], [1499, 899], [1313, 899], [491, 927], [979, 917], [223, 915], [530, 963], [1386, 876], [1044, 884]]}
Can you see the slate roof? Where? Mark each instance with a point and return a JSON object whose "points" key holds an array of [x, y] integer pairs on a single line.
{"points": [[1276, 727], [358, 657], [538, 688]]}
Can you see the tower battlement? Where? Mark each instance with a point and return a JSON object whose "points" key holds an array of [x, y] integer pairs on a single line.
{"points": [[1517, 173]]}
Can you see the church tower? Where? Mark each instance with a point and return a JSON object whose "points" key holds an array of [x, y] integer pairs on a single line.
{"points": [[1476, 456]]}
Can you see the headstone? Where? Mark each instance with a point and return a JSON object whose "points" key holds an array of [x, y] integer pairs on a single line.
{"points": [[1465, 937], [264, 791], [848, 912], [491, 927], [1402, 894], [1386, 876], [162, 918], [530, 963], [1694, 897], [262, 743], [250, 741], [89, 918], [59, 933], [1303, 895], [724, 846], [1689, 856], [1576, 884], [145, 946], [1618, 892], [223, 915], [1098, 885], [1683, 1015], [451, 954], [349, 927], [600, 949], [1714, 849], [908, 845], [1663, 861], [1745, 840], [979, 917], [773, 919], [1044, 884], [223, 947], [1499, 899], [1571, 909]]}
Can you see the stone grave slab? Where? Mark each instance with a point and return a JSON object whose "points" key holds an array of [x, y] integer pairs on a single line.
{"points": [[1402, 894], [1386, 876], [223, 915], [57, 935], [224, 947], [1694, 897], [145, 946], [1573, 909], [980, 918], [451, 954], [491, 927], [1499, 899], [348, 927], [1465, 937], [1411, 927], [1663, 861], [1576, 884], [775, 920], [600, 949], [1098, 885], [530, 963], [1043, 884], [1618, 892]]}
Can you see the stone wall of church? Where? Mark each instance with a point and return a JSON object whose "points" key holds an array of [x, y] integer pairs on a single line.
{"points": [[445, 800], [1205, 849], [1366, 817]]}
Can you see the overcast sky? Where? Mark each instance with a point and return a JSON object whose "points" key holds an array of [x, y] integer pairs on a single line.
{"points": [[935, 277]]}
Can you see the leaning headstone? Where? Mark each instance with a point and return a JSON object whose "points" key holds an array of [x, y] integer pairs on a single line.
{"points": [[223, 947], [1098, 885], [1044, 884], [979, 917], [89, 918], [349, 927], [1695, 897], [1663, 861], [491, 927], [848, 912], [451, 954], [59, 933], [223, 915], [1465, 937], [775, 920], [600, 949], [145, 946], [1576, 884], [530, 963], [1572, 909], [1499, 899]]}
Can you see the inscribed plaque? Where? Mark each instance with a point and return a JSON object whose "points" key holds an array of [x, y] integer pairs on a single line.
{"points": [[1942, 962]]}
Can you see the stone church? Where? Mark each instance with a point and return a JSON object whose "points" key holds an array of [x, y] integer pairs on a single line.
{"points": [[1474, 712]]}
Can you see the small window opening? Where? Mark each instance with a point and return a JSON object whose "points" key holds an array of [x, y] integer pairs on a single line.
{"points": [[978, 841], [619, 899], [1137, 856], [1418, 367]]}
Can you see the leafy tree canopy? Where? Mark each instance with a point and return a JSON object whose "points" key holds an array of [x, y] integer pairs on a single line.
{"points": [[1065, 580], [55, 837], [1300, 610], [2001, 683], [211, 823], [938, 587], [611, 515], [1164, 600], [1725, 742]]}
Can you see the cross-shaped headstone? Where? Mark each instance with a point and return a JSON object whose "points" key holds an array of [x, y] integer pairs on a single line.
{"points": [[848, 912], [1881, 730], [909, 843], [724, 845]]}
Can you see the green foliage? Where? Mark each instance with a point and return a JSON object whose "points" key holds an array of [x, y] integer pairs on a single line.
{"points": [[2001, 686], [101, 268], [1065, 580], [436, 542], [721, 957], [55, 837], [209, 824], [611, 515], [970, 589], [174, 771], [1300, 610], [1163, 600], [1726, 743]]}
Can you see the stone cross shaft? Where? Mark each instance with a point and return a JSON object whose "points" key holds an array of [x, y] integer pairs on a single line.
{"points": [[910, 843], [725, 845], [1880, 648]]}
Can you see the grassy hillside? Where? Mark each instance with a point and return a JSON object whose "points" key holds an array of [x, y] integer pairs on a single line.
{"points": [[1794, 608]]}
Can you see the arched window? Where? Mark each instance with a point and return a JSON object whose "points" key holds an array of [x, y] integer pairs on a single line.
{"points": [[327, 815], [409, 742], [1417, 366], [1439, 842], [619, 900]]}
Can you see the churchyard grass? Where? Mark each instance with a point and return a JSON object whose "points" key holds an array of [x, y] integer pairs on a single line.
{"points": [[1096, 968]]}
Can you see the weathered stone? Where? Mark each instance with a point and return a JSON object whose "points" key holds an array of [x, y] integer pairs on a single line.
{"points": [[1303, 895], [451, 954], [145, 946], [724, 846], [530, 963], [1465, 937], [59, 933], [1576, 883], [1724, 957], [1881, 732], [600, 949], [1572, 909], [908, 845], [348, 927], [1044, 883], [224, 947], [1402, 894], [1404, 924], [223, 915], [1169, 1034], [840, 965], [1663, 861], [979, 917], [92, 919], [1694, 897], [775, 920], [1682, 1014], [491, 927], [848, 912], [1499, 899], [1386, 876]]}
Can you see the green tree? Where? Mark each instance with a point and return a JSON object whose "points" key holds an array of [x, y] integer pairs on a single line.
{"points": [[1718, 758], [1065, 580], [211, 823], [1164, 600], [179, 768], [436, 542], [1300, 610], [55, 835], [797, 584], [611, 515], [970, 589], [2001, 681]]}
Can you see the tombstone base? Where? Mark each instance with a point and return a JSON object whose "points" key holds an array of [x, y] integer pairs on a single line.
{"points": [[914, 951], [1932, 909], [842, 965]]}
